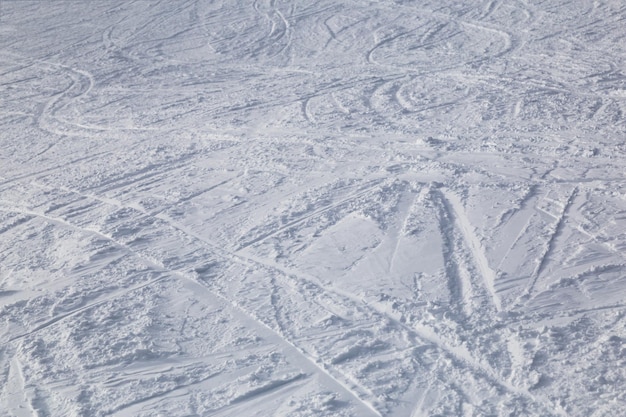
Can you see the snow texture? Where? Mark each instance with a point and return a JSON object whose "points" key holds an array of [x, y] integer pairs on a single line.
{"points": [[392, 208]]}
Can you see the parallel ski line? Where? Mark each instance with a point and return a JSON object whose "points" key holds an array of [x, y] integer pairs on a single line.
{"points": [[459, 283], [473, 243]]}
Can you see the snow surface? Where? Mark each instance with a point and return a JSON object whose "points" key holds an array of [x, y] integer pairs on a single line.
{"points": [[313, 208]]}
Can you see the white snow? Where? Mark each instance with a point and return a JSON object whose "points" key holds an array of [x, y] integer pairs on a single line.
{"points": [[313, 208]]}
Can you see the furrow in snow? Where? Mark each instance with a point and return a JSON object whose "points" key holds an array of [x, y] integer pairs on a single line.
{"points": [[472, 242]]}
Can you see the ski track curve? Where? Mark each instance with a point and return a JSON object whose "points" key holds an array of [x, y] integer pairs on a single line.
{"points": [[506, 115]]}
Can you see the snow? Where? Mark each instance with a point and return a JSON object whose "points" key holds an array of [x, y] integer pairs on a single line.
{"points": [[312, 208]]}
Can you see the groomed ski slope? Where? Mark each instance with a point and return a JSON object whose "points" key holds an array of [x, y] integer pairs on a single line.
{"points": [[313, 208]]}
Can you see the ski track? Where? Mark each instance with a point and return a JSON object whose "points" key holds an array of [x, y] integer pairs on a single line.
{"points": [[404, 211], [16, 392], [64, 98], [550, 244], [459, 354], [459, 280], [313, 364], [473, 243], [195, 138]]}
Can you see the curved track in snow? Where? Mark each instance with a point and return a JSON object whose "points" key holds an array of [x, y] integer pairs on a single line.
{"points": [[295, 208]]}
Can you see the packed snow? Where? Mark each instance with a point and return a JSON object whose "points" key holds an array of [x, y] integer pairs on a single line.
{"points": [[313, 208]]}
